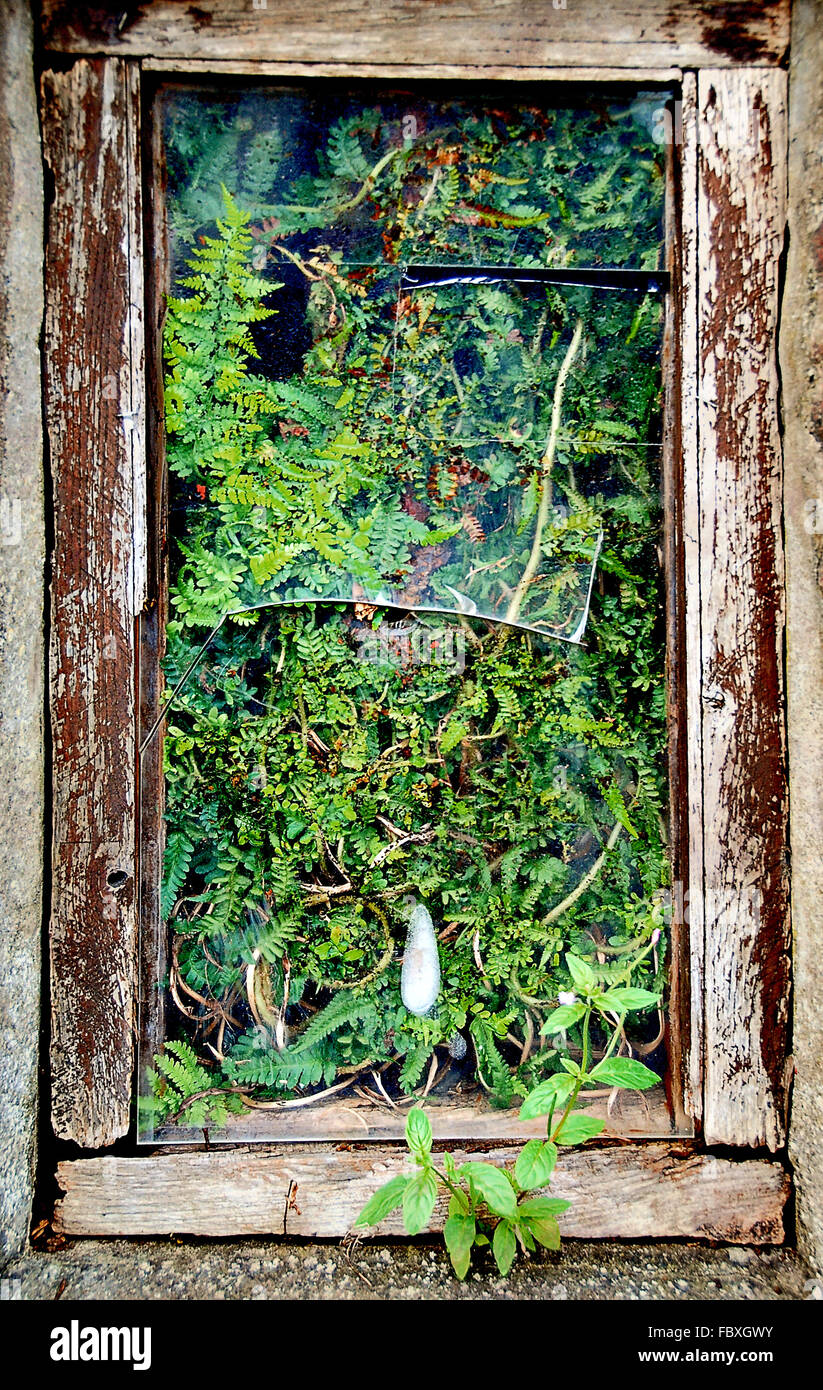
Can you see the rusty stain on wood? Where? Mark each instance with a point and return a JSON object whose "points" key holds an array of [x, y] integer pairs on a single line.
{"points": [[512, 33], [741, 228], [627, 1191], [727, 31], [94, 411], [679, 1022]]}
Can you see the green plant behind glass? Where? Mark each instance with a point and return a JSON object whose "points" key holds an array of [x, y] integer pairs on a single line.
{"points": [[525, 791]]}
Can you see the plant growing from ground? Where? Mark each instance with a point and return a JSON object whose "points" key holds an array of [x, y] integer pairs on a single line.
{"points": [[497, 1207]]}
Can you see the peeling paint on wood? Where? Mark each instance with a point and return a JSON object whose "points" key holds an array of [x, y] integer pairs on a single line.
{"points": [[510, 33], [645, 1191], [692, 887], [95, 417], [741, 228]]}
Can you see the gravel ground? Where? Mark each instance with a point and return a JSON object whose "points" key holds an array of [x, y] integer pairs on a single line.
{"points": [[264, 1270]]}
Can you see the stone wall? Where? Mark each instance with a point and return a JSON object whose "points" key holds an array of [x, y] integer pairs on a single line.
{"points": [[22, 549], [801, 361], [22, 657]]}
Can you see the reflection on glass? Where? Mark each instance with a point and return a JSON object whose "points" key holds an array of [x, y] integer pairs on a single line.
{"points": [[457, 464], [413, 409]]}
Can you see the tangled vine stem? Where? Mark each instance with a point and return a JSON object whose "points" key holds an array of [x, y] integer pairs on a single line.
{"points": [[586, 880], [201, 1095], [300, 1102], [546, 465], [383, 963], [334, 210]]}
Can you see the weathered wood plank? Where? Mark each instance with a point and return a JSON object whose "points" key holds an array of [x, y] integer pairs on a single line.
{"points": [[463, 72], [680, 190], [466, 1118], [153, 932], [689, 892], [741, 228], [630, 1191], [512, 33], [94, 409]]}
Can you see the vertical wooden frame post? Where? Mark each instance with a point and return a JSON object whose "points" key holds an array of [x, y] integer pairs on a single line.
{"points": [[152, 631], [679, 506], [689, 894], [741, 215], [94, 400]]}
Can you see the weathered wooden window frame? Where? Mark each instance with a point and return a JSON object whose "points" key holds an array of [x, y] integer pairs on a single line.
{"points": [[724, 564]]}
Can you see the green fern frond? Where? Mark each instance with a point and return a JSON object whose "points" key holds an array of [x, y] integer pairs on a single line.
{"points": [[496, 1073], [177, 859]]}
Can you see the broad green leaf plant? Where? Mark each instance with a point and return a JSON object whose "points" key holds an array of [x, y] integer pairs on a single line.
{"points": [[507, 1208]]}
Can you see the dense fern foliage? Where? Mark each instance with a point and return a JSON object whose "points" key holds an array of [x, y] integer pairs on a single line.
{"points": [[463, 446]]}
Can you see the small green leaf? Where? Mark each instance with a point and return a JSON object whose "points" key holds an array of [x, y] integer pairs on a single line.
{"points": [[524, 1235], [613, 795], [458, 1204], [384, 1201], [458, 1233], [538, 1216], [563, 1017], [578, 1128], [547, 1232], [535, 1163], [419, 1134], [493, 1186], [504, 1246], [539, 1208], [581, 972], [626, 1072], [549, 1094], [418, 1201], [627, 999]]}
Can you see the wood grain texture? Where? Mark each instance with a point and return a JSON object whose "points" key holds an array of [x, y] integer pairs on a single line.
{"points": [[510, 33], [458, 72], [741, 228], [635, 1191], [95, 411], [466, 1118], [153, 932], [679, 1024], [689, 891]]}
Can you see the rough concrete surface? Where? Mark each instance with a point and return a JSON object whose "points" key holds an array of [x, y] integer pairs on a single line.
{"points": [[21, 618], [248, 1270], [92, 1270], [801, 360]]}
